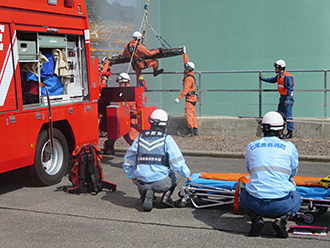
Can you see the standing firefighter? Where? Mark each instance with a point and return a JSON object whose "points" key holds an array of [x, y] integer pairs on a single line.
{"points": [[137, 50], [155, 163], [123, 80], [285, 84], [189, 91]]}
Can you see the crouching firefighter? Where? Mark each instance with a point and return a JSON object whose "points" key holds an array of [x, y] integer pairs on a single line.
{"points": [[272, 163], [155, 163]]}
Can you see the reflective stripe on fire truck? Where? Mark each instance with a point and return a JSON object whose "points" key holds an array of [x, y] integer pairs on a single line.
{"points": [[2, 30], [7, 70], [87, 37]]}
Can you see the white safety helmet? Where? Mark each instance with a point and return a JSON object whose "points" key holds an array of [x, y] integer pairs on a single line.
{"points": [[123, 78], [280, 63], [137, 35], [272, 121], [189, 65], [158, 118]]}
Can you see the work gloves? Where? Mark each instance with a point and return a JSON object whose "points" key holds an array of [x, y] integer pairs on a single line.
{"points": [[287, 102], [177, 100]]}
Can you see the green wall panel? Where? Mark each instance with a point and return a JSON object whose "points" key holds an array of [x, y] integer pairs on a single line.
{"points": [[222, 35]]}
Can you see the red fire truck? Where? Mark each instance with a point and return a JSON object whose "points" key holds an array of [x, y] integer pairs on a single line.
{"points": [[31, 31], [50, 98]]}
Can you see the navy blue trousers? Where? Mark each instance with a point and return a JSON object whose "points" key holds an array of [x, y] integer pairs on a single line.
{"points": [[287, 111], [271, 208]]}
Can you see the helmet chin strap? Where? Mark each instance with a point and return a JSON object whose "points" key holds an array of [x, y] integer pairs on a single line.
{"points": [[158, 128], [270, 133]]}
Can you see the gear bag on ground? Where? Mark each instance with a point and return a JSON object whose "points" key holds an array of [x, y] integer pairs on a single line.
{"points": [[87, 174]]}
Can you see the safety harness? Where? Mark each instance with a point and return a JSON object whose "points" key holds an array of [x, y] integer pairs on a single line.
{"points": [[135, 62], [193, 92]]}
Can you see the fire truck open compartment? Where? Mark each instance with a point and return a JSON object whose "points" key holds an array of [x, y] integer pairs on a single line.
{"points": [[37, 131], [72, 86]]}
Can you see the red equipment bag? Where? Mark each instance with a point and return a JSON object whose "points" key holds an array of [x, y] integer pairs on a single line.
{"points": [[87, 173]]}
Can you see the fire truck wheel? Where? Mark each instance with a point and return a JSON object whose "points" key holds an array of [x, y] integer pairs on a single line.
{"points": [[51, 164]]}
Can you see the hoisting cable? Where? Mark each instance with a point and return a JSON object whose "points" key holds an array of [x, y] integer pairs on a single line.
{"points": [[159, 37], [142, 24]]}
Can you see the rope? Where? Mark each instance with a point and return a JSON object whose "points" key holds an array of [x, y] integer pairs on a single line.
{"points": [[159, 37], [144, 19], [142, 30]]}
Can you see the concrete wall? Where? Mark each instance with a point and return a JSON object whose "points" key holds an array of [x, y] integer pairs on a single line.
{"points": [[234, 126]]}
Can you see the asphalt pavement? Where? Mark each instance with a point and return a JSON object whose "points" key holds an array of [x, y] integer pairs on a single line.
{"points": [[43, 217]]}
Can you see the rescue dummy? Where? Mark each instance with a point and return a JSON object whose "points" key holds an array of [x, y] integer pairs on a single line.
{"points": [[123, 80], [138, 50], [155, 163], [189, 91]]}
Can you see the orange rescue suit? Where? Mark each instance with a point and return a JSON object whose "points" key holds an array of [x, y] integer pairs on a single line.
{"points": [[188, 91], [138, 63], [105, 74], [133, 133]]}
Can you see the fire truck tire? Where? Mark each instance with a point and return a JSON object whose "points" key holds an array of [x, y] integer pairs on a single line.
{"points": [[51, 164]]}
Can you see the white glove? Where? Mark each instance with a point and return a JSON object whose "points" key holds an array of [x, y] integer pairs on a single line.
{"points": [[184, 49], [177, 100]]}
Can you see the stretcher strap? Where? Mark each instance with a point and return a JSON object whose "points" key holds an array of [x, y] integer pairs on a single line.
{"points": [[241, 182]]}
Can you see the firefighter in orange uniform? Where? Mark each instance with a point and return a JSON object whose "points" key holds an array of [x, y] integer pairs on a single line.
{"points": [[138, 63], [123, 80], [105, 72], [189, 91]]}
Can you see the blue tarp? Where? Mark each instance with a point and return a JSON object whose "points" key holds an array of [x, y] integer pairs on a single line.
{"points": [[52, 82]]}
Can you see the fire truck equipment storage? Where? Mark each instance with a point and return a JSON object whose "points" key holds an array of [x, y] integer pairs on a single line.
{"points": [[45, 43]]}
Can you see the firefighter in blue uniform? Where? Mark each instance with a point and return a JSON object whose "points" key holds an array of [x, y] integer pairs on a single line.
{"points": [[155, 163], [285, 84], [271, 163]]}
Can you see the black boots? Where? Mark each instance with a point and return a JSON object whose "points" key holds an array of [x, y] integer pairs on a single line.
{"points": [[156, 73], [147, 202], [167, 200], [108, 147], [288, 135], [196, 131], [192, 132], [257, 224], [279, 225]]}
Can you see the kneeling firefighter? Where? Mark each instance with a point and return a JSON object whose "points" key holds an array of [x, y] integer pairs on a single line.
{"points": [[123, 80], [155, 163]]}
